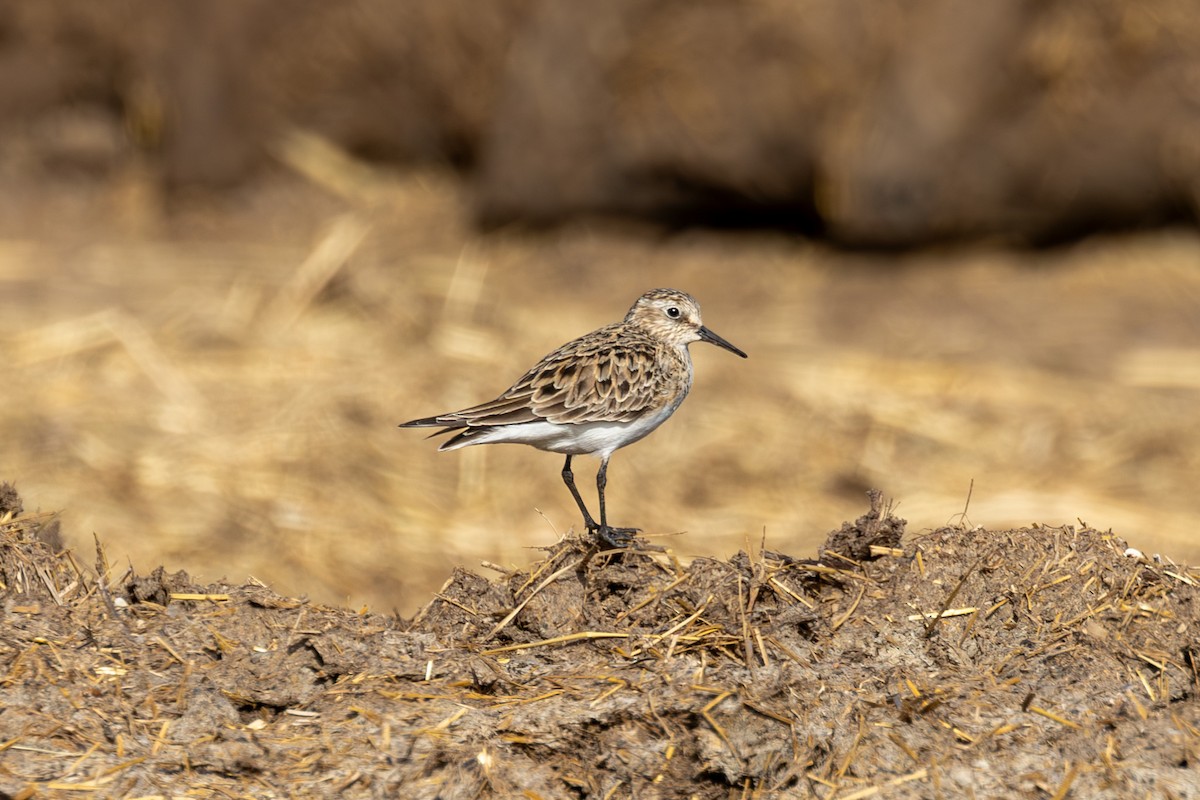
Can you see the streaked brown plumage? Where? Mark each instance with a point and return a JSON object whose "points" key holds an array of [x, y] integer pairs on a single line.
{"points": [[595, 394]]}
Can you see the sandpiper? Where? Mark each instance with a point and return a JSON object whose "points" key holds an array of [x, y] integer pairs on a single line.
{"points": [[595, 394]]}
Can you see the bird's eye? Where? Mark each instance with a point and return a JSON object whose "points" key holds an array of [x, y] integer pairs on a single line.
{"points": [[673, 312]]}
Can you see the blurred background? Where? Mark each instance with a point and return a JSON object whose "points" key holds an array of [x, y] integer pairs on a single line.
{"points": [[240, 242]]}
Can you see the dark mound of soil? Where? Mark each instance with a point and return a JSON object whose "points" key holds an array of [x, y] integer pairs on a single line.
{"points": [[878, 123], [1041, 661]]}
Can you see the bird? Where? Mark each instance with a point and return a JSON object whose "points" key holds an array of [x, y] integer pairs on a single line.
{"points": [[594, 395]]}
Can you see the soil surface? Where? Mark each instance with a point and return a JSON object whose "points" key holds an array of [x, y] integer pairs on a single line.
{"points": [[1040, 662]]}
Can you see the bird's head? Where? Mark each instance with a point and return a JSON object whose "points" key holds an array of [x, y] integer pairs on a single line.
{"points": [[674, 317]]}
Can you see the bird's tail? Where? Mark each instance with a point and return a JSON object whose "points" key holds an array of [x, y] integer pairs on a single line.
{"points": [[436, 422]]}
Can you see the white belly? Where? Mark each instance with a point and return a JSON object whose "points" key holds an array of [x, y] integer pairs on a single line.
{"points": [[598, 439]]}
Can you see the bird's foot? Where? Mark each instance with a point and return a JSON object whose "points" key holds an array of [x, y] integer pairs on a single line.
{"points": [[615, 537]]}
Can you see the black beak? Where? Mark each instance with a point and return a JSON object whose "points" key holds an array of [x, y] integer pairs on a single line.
{"points": [[708, 336]]}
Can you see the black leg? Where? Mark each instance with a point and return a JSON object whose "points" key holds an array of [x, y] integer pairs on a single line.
{"points": [[617, 537], [601, 482], [569, 480]]}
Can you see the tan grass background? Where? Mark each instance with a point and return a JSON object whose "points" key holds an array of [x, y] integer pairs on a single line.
{"points": [[215, 386]]}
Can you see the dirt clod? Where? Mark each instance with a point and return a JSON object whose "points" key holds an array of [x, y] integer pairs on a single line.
{"points": [[10, 501], [877, 528], [158, 586], [1006, 663]]}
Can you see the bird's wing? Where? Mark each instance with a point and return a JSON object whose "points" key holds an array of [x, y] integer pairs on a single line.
{"points": [[596, 378]]}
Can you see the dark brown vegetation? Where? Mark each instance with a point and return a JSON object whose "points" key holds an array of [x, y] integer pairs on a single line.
{"points": [[879, 122], [964, 662]]}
